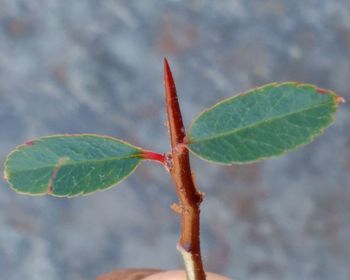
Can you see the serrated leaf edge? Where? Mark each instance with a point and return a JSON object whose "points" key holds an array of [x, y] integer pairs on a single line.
{"points": [[31, 142], [255, 124], [259, 88], [308, 140]]}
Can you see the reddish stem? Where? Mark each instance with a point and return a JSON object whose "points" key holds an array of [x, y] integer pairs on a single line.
{"points": [[153, 156], [189, 197]]}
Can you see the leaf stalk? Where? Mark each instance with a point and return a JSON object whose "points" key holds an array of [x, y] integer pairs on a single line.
{"points": [[154, 156]]}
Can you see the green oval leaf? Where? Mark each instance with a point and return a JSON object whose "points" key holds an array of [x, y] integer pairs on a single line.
{"points": [[69, 165], [264, 122]]}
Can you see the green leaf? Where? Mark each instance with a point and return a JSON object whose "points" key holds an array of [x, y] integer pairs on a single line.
{"points": [[262, 123], [69, 165]]}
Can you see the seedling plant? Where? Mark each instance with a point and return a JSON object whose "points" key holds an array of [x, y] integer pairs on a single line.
{"points": [[264, 122]]}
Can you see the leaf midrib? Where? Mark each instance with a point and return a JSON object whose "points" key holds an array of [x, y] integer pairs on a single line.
{"points": [[257, 124], [76, 163]]}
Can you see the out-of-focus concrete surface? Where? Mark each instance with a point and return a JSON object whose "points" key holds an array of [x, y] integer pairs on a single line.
{"points": [[96, 66]]}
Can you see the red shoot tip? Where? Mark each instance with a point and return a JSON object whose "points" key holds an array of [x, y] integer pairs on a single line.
{"points": [[169, 80], [176, 127]]}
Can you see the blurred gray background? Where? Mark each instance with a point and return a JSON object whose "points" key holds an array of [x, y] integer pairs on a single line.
{"points": [[96, 66]]}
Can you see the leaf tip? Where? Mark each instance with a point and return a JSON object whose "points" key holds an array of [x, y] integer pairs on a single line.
{"points": [[340, 100]]}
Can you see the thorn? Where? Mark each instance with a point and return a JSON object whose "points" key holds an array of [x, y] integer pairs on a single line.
{"points": [[176, 127], [168, 79]]}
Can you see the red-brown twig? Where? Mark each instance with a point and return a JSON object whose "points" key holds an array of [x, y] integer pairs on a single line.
{"points": [[189, 197]]}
